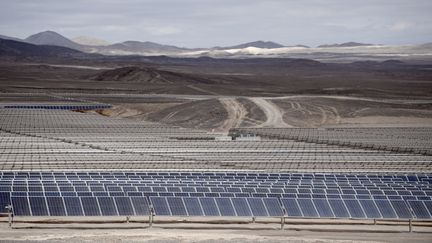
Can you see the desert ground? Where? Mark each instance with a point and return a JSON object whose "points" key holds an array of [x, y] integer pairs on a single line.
{"points": [[171, 229], [216, 95]]}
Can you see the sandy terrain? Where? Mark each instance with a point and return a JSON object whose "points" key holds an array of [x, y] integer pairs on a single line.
{"points": [[273, 113], [239, 230]]}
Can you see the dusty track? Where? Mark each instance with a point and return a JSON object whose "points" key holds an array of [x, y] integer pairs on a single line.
{"points": [[273, 113], [236, 113]]}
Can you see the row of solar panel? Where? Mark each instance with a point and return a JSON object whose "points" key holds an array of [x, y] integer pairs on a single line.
{"points": [[252, 175], [212, 194], [415, 191], [217, 181], [155, 184], [192, 206], [58, 107], [224, 176]]}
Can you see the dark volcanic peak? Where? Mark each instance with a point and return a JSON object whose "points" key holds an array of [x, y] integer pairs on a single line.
{"points": [[258, 44], [346, 44], [11, 48], [52, 38], [135, 74]]}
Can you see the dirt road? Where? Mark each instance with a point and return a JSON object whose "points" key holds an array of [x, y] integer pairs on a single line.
{"points": [[273, 113], [236, 113]]}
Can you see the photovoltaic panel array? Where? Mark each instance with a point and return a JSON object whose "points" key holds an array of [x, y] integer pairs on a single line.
{"points": [[217, 194]]}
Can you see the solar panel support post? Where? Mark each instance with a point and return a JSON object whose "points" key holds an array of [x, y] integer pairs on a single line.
{"points": [[253, 219], [283, 218], [410, 225], [375, 222], [282, 222], [151, 215], [10, 215], [127, 219]]}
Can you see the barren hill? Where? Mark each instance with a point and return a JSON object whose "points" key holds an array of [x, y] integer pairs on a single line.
{"points": [[149, 75]]}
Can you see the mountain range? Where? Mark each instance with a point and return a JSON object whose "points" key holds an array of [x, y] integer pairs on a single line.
{"points": [[245, 50]]}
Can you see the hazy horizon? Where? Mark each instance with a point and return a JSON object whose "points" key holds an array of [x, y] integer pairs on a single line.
{"points": [[194, 23]]}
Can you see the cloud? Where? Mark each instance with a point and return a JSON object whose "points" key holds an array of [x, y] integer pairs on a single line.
{"points": [[204, 23], [401, 26], [162, 30]]}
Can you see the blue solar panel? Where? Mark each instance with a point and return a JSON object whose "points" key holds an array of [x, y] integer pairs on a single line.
{"points": [[354, 208], [38, 206], [209, 206], [90, 206], [339, 209], [73, 206], [160, 206], [385, 209], [193, 206], [419, 209], [124, 206], [241, 207], [225, 207], [307, 208], [292, 208], [257, 207], [323, 208], [176, 206], [4, 201], [401, 209], [56, 206], [107, 206], [141, 205], [21, 206], [273, 206], [370, 209]]}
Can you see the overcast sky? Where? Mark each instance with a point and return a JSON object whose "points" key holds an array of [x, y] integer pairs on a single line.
{"points": [[205, 23]]}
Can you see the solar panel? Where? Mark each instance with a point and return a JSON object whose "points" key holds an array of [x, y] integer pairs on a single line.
{"points": [[385, 209], [38, 206], [225, 206], [21, 206], [73, 206], [292, 208], [339, 209], [4, 201], [354, 208], [370, 209], [160, 206], [241, 206], [107, 206], [273, 206], [176, 206], [307, 208], [209, 206], [419, 209], [141, 205], [193, 206], [323, 208], [257, 207], [124, 206], [56, 206], [90, 206], [401, 209]]}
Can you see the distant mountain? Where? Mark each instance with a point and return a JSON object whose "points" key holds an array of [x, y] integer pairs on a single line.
{"points": [[138, 48], [11, 48], [52, 38], [257, 44], [346, 44], [90, 41], [4, 37]]}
